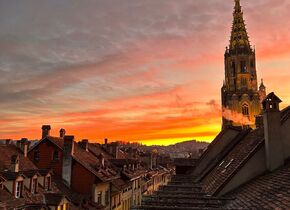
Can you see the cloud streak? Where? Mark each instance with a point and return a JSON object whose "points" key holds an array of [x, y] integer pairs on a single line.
{"points": [[140, 70]]}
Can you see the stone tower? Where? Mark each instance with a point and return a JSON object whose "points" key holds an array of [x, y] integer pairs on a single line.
{"points": [[240, 94]]}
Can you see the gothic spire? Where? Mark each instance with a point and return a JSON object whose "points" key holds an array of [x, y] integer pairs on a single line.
{"points": [[239, 37]]}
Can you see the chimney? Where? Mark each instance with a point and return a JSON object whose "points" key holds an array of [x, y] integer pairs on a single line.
{"points": [[15, 163], [84, 144], [68, 150], [8, 141], [61, 133], [24, 146], [272, 131], [102, 160], [45, 130], [114, 149], [106, 143]]}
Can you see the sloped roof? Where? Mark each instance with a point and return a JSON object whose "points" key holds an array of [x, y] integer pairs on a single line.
{"points": [[270, 191], [285, 114], [7, 151], [97, 149], [231, 164], [223, 153], [91, 162]]}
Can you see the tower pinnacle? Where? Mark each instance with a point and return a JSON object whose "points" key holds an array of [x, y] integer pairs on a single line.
{"points": [[239, 41]]}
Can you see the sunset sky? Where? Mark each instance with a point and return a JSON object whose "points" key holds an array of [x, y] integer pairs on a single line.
{"points": [[132, 70]]}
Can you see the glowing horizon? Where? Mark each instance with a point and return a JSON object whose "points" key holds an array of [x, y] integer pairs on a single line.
{"points": [[143, 71]]}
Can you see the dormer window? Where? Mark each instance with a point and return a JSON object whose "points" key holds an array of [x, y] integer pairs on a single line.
{"points": [[47, 183], [34, 184], [55, 155], [18, 189]]}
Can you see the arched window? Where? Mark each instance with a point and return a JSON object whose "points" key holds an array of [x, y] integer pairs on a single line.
{"points": [[245, 110]]}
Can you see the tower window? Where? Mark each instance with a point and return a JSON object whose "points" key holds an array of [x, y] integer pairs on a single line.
{"points": [[243, 67], [234, 68], [245, 110]]}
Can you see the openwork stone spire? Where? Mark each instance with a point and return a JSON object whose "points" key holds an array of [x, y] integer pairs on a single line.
{"points": [[239, 37]]}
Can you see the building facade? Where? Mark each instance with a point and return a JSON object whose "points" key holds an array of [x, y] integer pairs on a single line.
{"points": [[241, 98]]}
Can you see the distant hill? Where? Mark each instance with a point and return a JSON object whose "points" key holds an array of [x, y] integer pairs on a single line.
{"points": [[178, 150]]}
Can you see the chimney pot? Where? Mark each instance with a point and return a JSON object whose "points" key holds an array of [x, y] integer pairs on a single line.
{"points": [[62, 133], [24, 145], [46, 130], [84, 144]]}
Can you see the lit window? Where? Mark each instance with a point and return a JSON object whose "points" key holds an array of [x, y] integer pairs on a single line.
{"points": [[18, 189], [245, 109]]}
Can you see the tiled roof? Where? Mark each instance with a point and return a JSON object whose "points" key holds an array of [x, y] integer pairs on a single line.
{"points": [[212, 164], [7, 151], [97, 149], [235, 159], [129, 172], [270, 191], [88, 160], [53, 198], [10, 201], [120, 184], [285, 114]]}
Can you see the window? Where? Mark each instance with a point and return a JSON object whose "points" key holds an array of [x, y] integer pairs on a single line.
{"points": [[55, 155], [34, 185], [243, 67], [234, 68], [107, 197], [245, 110], [47, 183], [36, 156], [99, 198], [18, 189]]}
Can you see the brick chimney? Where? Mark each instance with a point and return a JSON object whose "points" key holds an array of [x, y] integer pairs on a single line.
{"points": [[106, 143], [68, 150], [84, 144], [272, 130], [61, 133], [24, 146], [46, 131]]}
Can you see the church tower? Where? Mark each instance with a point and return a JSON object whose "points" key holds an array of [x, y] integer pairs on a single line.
{"points": [[240, 94]]}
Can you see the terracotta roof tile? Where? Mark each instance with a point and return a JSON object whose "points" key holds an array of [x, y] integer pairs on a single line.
{"points": [[7, 151], [270, 191]]}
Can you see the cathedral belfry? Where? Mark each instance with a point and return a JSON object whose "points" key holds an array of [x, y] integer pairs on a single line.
{"points": [[240, 94]]}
